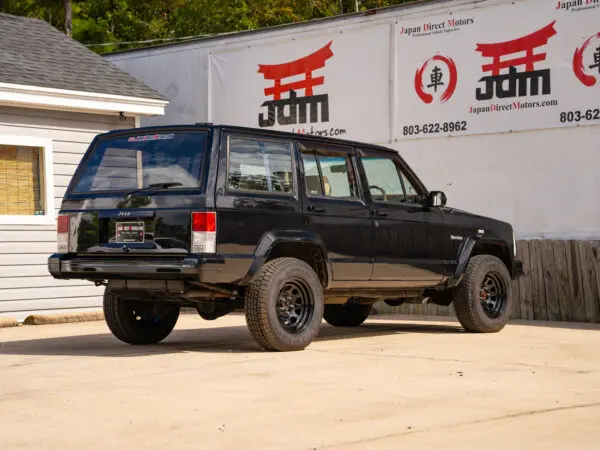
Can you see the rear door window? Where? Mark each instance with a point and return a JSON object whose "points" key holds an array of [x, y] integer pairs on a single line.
{"points": [[136, 161], [329, 173], [260, 165]]}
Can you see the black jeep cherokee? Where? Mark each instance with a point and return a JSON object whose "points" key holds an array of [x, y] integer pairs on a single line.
{"points": [[290, 228]]}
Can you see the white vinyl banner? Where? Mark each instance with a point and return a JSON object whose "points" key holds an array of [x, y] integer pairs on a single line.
{"points": [[523, 65], [334, 84]]}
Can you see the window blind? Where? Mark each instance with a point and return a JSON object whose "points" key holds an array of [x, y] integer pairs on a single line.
{"points": [[20, 181]]}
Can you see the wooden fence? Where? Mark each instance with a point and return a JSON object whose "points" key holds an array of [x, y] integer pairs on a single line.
{"points": [[561, 282]]}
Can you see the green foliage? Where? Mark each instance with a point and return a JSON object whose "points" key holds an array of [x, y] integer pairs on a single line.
{"points": [[51, 11], [105, 21]]}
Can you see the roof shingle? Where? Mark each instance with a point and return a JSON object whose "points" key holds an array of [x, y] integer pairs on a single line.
{"points": [[34, 53]]}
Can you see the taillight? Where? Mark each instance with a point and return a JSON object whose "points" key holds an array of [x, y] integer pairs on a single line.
{"points": [[204, 232], [62, 234]]}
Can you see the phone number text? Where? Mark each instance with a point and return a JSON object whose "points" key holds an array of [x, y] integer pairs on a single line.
{"points": [[433, 128], [578, 116]]}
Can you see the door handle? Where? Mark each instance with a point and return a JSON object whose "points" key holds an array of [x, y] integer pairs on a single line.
{"points": [[380, 212], [316, 208]]}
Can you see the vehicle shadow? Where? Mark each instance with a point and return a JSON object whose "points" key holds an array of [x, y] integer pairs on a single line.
{"points": [[229, 339]]}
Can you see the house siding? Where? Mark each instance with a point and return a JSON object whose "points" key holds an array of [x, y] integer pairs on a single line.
{"points": [[26, 287]]}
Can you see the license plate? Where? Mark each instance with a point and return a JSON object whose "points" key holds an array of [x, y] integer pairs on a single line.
{"points": [[129, 232]]}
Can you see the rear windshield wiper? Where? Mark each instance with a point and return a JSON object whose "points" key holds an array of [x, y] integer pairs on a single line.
{"points": [[153, 187]]}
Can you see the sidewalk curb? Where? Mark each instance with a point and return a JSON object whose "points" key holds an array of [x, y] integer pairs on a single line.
{"points": [[53, 319], [7, 323]]}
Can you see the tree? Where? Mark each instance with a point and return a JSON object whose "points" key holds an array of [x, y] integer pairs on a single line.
{"points": [[107, 21], [51, 11], [68, 17]]}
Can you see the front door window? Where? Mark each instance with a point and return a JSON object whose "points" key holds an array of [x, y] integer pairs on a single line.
{"points": [[384, 182], [388, 182]]}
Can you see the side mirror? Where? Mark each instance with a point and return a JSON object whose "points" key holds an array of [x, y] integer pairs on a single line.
{"points": [[437, 199]]}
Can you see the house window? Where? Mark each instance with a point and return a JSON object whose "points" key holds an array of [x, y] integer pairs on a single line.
{"points": [[26, 185], [20, 181]]}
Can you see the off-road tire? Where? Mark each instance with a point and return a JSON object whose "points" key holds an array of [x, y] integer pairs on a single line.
{"points": [[467, 304], [348, 315], [129, 326], [261, 305]]}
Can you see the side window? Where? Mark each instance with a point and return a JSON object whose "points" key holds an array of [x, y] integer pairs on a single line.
{"points": [[383, 179], [329, 174], [260, 165]]}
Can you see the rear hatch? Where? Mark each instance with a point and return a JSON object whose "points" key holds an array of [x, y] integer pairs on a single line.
{"points": [[136, 193]]}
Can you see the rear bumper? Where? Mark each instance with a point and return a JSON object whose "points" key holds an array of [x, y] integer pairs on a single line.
{"points": [[207, 270], [517, 269]]}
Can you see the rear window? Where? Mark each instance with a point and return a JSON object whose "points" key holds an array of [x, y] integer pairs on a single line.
{"points": [[137, 161]]}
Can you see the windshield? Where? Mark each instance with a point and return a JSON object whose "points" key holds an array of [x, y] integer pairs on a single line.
{"points": [[136, 162]]}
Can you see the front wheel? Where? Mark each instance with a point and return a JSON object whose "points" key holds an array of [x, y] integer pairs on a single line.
{"points": [[284, 305], [348, 315], [483, 299], [139, 322]]}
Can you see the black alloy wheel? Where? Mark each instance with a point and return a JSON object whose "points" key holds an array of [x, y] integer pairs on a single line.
{"points": [[295, 307], [493, 295]]}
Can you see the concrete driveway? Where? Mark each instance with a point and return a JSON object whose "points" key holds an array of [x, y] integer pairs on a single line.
{"points": [[389, 384]]}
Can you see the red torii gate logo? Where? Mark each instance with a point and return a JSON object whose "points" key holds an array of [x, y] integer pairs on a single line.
{"points": [[515, 83], [297, 105]]}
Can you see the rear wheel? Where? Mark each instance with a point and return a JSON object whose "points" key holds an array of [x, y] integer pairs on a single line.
{"points": [[483, 299], [348, 315], [139, 322], [284, 305]]}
